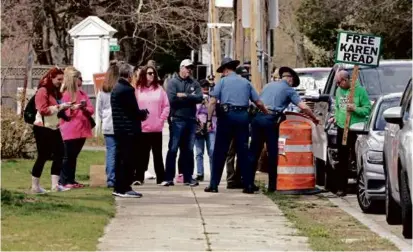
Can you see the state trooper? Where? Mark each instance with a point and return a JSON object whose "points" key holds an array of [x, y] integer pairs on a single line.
{"points": [[234, 94], [276, 96]]}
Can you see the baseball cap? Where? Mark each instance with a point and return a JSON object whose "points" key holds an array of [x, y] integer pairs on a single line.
{"points": [[186, 63], [242, 71]]}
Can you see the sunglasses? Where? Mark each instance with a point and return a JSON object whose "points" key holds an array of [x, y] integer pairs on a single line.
{"points": [[150, 73]]}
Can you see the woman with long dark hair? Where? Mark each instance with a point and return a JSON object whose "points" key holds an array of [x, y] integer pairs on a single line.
{"points": [[46, 129], [151, 96]]}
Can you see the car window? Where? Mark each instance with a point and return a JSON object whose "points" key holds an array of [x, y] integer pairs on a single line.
{"points": [[370, 121], [385, 79], [384, 105], [407, 100], [330, 82], [313, 79]]}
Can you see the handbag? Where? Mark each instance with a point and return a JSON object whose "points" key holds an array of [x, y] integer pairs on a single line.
{"points": [[92, 122]]}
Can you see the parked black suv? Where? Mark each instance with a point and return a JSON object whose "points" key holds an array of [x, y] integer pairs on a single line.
{"points": [[389, 77]]}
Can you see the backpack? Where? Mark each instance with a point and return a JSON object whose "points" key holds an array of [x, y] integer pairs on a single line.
{"points": [[30, 111]]}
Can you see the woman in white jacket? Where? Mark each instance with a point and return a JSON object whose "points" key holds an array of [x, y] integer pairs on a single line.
{"points": [[105, 113]]}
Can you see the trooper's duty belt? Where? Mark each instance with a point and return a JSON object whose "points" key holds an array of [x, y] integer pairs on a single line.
{"points": [[227, 107]]}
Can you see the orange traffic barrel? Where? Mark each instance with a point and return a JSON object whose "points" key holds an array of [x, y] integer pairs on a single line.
{"points": [[295, 161]]}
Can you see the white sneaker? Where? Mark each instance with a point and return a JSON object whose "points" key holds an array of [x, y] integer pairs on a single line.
{"points": [[60, 188], [149, 175], [39, 191]]}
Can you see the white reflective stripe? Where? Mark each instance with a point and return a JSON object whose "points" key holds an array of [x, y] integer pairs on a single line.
{"points": [[298, 148], [295, 170]]}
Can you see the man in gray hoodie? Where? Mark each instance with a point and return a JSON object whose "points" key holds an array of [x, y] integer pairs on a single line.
{"points": [[183, 93]]}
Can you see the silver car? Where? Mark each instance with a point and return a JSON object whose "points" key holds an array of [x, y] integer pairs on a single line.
{"points": [[398, 162], [369, 154]]}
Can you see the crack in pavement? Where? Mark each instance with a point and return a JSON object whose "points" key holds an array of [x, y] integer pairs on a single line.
{"points": [[202, 221]]}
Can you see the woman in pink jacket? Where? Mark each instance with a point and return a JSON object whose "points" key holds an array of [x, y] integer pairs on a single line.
{"points": [[151, 96], [77, 126]]}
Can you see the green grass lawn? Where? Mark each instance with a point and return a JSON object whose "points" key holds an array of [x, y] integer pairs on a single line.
{"points": [[72, 220]]}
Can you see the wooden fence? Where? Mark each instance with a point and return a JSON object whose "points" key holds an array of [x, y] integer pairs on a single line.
{"points": [[12, 78]]}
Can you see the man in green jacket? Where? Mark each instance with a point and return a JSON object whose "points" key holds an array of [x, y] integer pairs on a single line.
{"points": [[360, 110]]}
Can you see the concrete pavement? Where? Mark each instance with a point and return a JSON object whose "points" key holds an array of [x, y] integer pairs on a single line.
{"points": [[181, 218]]}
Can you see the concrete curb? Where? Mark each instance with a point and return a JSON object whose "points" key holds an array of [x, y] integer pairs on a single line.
{"points": [[373, 226]]}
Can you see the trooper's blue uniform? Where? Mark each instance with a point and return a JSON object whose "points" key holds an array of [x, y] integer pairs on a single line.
{"points": [[276, 96], [234, 93]]}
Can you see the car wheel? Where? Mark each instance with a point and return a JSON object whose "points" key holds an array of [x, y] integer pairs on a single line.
{"points": [[365, 203], [319, 171], [330, 183], [393, 211], [406, 205]]}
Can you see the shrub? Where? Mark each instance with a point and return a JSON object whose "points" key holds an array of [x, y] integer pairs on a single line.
{"points": [[17, 139]]}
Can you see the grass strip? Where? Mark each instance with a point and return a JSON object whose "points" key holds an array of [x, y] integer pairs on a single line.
{"points": [[69, 221]]}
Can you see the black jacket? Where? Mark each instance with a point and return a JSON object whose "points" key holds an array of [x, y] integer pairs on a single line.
{"points": [[126, 114], [184, 107]]}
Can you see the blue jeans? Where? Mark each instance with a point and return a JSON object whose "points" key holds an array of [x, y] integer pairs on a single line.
{"points": [[200, 141], [182, 137], [110, 159], [234, 124], [265, 129]]}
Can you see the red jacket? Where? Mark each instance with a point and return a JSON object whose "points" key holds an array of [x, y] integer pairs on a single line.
{"points": [[47, 108]]}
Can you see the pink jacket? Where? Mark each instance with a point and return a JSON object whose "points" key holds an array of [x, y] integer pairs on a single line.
{"points": [[157, 103], [79, 124]]}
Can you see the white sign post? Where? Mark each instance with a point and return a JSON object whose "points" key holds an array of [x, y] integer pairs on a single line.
{"points": [[356, 49]]}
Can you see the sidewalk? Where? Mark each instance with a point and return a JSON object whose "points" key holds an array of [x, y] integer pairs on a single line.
{"points": [[188, 219]]}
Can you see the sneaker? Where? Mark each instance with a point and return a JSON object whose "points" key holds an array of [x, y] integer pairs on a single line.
{"points": [[167, 183], [180, 178], [132, 194], [149, 175], [200, 178], [60, 188], [193, 182], [69, 186], [78, 185], [137, 183], [39, 191], [117, 194], [341, 193]]}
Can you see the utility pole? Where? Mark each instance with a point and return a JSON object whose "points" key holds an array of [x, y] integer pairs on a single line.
{"points": [[216, 40], [255, 76], [239, 33]]}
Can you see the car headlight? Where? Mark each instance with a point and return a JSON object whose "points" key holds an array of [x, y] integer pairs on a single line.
{"points": [[375, 157]]}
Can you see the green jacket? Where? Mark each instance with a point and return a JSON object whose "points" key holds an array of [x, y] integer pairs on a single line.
{"points": [[361, 101]]}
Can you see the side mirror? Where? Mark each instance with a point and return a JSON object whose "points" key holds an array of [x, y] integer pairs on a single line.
{"points": [[359, 128], [393, 115]]}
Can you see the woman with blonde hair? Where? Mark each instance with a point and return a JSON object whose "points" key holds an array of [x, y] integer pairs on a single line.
{"points": [[76, 128], [105, 113]]}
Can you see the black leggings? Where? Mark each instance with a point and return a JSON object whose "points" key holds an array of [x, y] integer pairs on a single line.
{"points": [[49, 147], [72, 150], [151, 141]]}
